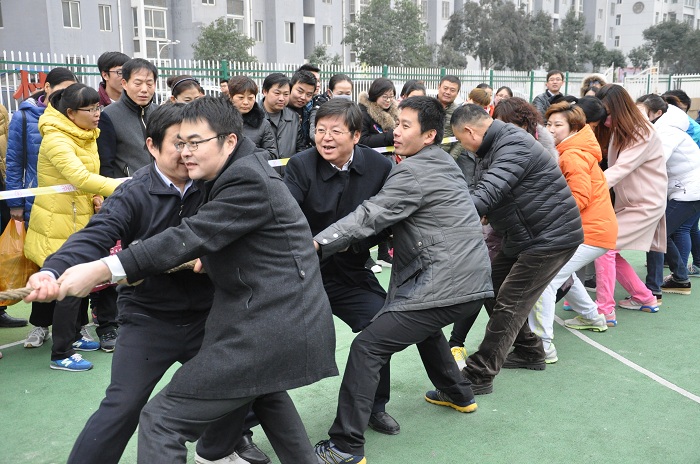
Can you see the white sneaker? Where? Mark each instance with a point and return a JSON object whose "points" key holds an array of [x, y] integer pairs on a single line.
{"points": [[550, 354], [232, 458], [85, 333], [37, 336]]}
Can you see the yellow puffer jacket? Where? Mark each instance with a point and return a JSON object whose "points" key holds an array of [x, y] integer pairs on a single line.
{"points": [[68, 155]]}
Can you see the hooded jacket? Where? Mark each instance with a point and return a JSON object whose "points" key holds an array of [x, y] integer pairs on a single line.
{"points": [[21, 168], [578, 160], [68, 155], [377, 124], [522, 192], [682, 155]]}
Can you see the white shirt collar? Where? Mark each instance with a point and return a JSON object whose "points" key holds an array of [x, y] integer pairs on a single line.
{"points": [[170, 183]]}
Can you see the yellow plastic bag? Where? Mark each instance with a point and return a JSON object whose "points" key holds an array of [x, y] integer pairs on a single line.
{"points": [[15, 269]]}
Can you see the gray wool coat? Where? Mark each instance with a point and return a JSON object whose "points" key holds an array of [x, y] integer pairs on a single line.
{"points": [[440, 258], [270, 327]]}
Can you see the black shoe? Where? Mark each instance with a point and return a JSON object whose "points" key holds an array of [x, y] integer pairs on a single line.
{"points": [[250, 452], [515, 361], [482, 387], [671, 285], [382, 422], [590, 284], [8, 321], [108, 340]]}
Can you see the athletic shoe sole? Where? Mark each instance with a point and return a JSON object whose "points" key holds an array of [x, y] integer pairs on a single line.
{"points": [[61, 368], [469, 408], [676, 291], [593, 328]]}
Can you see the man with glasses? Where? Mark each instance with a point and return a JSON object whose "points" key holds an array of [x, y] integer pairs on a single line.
{"points": [[555, 79], [110, 66], [270, 327], [329, 182]]}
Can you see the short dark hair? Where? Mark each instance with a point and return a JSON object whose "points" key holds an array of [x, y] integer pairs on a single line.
{"points": [[451, 78], [431, 115], [338, 78], [518, 111], [241, 85], [379, 87], [109, 60], [137, 64], [553, 72], [218, 112], [506, 88], [303, 77], [178, 84], [470, 114], [593, 108], [275, 79], [309, 67], [348, 110], [73, 97], [682, 97], [483, 85], [161, 119], [411, 86], [222, 80]]}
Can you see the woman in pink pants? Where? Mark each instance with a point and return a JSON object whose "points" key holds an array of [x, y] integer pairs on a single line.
{"points": [[637, 174]]}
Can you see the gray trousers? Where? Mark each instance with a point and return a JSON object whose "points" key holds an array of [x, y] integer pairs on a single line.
{"points": [[167, 422]]}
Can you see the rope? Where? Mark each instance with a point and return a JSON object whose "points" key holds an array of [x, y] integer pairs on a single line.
{"points": [[21, 293]]}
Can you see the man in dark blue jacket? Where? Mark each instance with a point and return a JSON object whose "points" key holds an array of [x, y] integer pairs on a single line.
{"points": [[329, 182], [522, 193]]}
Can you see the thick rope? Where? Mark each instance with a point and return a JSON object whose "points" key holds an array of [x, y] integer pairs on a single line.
{"points": [[21, 293]]}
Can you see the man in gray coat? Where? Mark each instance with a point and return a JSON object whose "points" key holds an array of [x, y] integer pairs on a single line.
{"points": [[440, 274], [254, 244]]}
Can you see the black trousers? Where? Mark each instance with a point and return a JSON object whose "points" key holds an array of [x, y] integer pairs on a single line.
{"points": [[42, 314], [68, 317], [357, 306], [390, 333], [105, 303], [146, 348], [517, 282], [168, 422]]}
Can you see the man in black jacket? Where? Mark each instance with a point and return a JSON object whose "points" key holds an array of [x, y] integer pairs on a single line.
{"points": [[162, 320], [329, 182], [522, 193]]}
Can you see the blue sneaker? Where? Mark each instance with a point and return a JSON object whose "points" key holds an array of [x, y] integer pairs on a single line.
{"points": [[328, 453], [693, 270], [86, 345], [74, 363]]}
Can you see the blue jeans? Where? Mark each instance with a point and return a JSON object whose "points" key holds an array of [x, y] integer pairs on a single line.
{"points": [[677, 213], [687, 240]]}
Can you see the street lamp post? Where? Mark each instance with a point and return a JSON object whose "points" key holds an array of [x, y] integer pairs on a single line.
{"points": [[159, 48]]}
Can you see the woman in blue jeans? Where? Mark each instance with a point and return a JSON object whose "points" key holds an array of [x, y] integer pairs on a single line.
{"points": [[683, 168]]}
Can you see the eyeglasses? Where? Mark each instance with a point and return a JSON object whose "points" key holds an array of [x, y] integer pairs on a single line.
{"points": [[192, 145], [96, 109], [387, 97], [555, 79], [118, 72], [333, 132]]}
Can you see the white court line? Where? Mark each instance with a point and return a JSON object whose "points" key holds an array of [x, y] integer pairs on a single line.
{"points": [[629, 363], [9, 345]]}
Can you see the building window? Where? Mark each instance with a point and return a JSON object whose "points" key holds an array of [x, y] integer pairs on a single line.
{"points": [[617, 40], [555, 24], [424, 10], [71, 14], [328, 1], [598, 37], [158, 3], [690, 3], [610, 32], [556, 6], [665, 16], [290, 32], [656, 18], [619, 2], [445, 10], [0, 14], [209, 2], [258, 31], [618, 19], [672, 16], [155, 23], [234, 7], [690, 19], [612, 9], [105, 13], [600, 13], [327, 35], [674, 1]]}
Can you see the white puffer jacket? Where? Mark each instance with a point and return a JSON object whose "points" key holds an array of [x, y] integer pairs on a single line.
{"points": [[682, 155]]}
